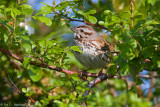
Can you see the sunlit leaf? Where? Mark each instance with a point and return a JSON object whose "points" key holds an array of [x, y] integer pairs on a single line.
{"points": [[152, 22], [42, 44], [15, 12], [26, 9], [24, 90], [101, 22], [90, 12], [46, 20], [26, 61], [44, 10], [107, 12], [27, 47], [92, 19], [80, 12]]}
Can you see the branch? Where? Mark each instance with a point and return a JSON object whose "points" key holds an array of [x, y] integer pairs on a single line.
{"points": [[94, 82], [88, 23], [7, 52], [43, 65], [81, 73]]}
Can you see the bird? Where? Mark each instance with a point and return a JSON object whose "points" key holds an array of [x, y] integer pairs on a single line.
{"points": [[96, 51]]}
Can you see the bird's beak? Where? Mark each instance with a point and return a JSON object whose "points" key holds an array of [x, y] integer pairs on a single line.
{"points": [[73, 29]]}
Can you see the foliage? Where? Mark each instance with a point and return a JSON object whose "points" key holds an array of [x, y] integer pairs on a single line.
{"points": [[138, 29]]}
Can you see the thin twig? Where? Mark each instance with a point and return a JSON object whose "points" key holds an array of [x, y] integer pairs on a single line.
{"points": [[13, 85]]}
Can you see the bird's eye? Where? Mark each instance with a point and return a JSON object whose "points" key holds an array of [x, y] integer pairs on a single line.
{"points": [[82, 30]]}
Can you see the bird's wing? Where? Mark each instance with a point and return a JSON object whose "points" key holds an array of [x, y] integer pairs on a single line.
{"points": [[102, 44]]}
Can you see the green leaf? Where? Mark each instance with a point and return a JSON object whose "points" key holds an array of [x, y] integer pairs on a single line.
{"points": [[62, 22], [46, 20], [7, 10], [58, 102], [44, 10], [15, 12], [112, 69], [2, 6], [26, 9], [25, 37], [107, 18], [44, 4], [92, 19], [133, 43], [123, 67], [59, 83], [80, 12], [126, 48], [91, 12], [26, 62], [106, 24], [115, 19], [152, 2], [24, 90], [101, 22], [50, 43], [42, 44], [151, 22], [75, 77], [24, 1], [5, 38], [28, 89], [138, 81], [63, 5], [138, 15], [27, 47], [44, 101], [76, 48], [50, 88], [35, 73], [107, 12]]}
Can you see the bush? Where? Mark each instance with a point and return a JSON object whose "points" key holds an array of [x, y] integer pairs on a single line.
{"points": [[36, 61]]}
